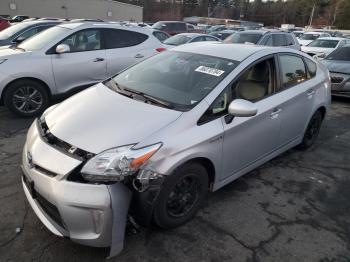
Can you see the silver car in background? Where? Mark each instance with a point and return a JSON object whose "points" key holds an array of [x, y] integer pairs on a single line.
{"points": [[338, 64], [67, 58], [186, 38], [153, 140], [264, 37]]}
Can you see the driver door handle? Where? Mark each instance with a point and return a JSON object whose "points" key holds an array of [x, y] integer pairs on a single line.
{"points": [[275, 113], [139, 56], [99, 59]]}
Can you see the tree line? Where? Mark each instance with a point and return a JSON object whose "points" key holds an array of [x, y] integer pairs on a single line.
{"points": [[334, 13]]}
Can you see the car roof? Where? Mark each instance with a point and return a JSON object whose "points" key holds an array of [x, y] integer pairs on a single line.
{"points": [[38, 22], [237, 52], [315, 33], [172, 22], [332, 38], [83, 25], [191, 34], [254, 32]]}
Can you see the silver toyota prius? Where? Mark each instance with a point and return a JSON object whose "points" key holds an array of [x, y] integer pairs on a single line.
{"points": [[150, 142]]}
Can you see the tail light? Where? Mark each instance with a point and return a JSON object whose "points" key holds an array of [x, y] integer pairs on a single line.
{"points": [[161, 49]]}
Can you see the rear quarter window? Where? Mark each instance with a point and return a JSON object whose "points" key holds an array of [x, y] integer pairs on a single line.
{"points": [[311, 68], [117, 38], [161, 36]]}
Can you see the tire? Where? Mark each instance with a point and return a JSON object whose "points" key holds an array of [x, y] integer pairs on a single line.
{"points": [[312, 131], [178, 201], [26, 98]]}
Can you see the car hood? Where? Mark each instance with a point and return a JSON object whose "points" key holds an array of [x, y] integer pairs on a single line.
{"points": [[9, 52], [337, 66], [98, 119], [304, 42], [317, 50], [5, 42]]}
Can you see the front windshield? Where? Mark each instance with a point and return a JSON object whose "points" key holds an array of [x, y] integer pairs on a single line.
{"points": [[324, 43], [179, 78], [309, 37], [342, 54], [12, 30], [177, 40], [242, 38], [44, 38]]}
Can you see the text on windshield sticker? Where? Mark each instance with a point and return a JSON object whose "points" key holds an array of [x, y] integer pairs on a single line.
{"points": [[209, 71]]}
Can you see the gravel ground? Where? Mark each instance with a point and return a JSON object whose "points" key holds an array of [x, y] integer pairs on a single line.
{"points": [[294, 208]]}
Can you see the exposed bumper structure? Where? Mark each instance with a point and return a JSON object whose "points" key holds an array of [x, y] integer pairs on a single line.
{"points": [[89, 214]]}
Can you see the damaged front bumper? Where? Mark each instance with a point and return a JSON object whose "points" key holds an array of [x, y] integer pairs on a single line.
{"points": [[88, 214]]}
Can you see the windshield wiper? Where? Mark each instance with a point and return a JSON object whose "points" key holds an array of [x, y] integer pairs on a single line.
{"points": [[150, 98]]}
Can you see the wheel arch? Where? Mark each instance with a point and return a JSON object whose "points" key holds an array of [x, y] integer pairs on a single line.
{"points": [[207, 164], [323, 111], [45, 85]]}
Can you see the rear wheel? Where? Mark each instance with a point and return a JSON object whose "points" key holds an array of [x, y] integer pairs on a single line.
{"points": [[312, 131], [26, 98], [181, 196]]}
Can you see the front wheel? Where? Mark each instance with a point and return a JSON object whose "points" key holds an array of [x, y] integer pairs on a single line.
{"points": [[181, 196], [312, 131], [26, 98]]}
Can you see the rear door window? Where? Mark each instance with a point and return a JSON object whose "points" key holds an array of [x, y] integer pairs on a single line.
{"points": [[292, 70], [208, 38], [268, 41], [279, 40], [198, 39], [117, 38]]}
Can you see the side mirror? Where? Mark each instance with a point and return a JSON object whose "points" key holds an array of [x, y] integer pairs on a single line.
{"points": [[19, 39], [62, 48], [242, 108]]}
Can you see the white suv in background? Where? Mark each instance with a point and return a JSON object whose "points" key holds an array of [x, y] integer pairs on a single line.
{"points": [[68, 58]]}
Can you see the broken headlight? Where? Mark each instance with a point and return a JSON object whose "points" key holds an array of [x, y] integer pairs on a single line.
{"points": [[117, 163]]}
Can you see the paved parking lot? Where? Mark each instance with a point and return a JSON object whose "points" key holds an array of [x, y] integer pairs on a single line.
{"points": [[294, 208]]}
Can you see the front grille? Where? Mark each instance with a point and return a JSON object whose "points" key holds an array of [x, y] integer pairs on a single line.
{"points": [[61, 145], [337, 79], [50, 209]]}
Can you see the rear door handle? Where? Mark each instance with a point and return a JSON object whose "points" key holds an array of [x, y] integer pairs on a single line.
{"points": [[139, 56], [275, 113], [99, 59], [310, 92]]}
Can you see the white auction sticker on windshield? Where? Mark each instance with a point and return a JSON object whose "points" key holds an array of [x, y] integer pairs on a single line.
{"points": [[209, 71]]}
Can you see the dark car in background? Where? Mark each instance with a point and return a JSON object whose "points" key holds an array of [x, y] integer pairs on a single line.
{"points": [[4, 23], [338, 64], [171, 27], [18, 18], [264, 37], [21, 31]]}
